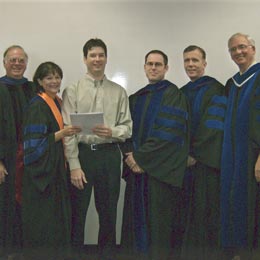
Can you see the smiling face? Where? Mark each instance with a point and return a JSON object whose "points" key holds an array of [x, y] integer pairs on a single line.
{"points": [[15, 63], [51, 84], [96, 61], [194, 64], [155, 68], [242, 52]]}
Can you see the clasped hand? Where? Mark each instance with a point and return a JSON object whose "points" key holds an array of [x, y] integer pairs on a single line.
{"points": [[3, 173], [130, 161]]}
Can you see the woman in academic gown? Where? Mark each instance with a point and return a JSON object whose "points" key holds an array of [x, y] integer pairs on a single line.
{"points": [[46, 203]]}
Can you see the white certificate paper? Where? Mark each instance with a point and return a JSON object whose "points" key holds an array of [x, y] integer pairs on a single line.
{"points": [[87, 121]]}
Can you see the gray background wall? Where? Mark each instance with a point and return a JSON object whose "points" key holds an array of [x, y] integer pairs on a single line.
{"points": [[57, 31]]}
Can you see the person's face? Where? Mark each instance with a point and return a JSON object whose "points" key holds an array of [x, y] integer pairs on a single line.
{"points": [[154, 68], [194, 64], [51, 84], [96, 61], [15, 63], [242, 52]]}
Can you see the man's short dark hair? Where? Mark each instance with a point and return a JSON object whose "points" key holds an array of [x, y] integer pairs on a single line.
{"points": [[165, 58], [195, 47], [94, 43]]}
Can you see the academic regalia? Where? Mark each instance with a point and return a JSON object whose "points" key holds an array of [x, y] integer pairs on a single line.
{"points": [[160, 147], [202, 180], [14, 96], [46, 201], [239, 189]]}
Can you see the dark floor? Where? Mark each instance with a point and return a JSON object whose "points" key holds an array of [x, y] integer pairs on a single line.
{"points": [[90, 253]]}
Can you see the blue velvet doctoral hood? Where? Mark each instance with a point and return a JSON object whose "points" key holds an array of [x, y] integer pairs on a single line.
{"points": [[234, 165], [13, 82]]}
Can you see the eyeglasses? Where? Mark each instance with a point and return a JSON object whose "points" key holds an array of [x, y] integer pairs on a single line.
{"points": [[156, 64], [240, 47], [14, 60]]}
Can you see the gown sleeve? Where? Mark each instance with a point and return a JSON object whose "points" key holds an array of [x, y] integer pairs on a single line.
{"points": [[39, 145], [255, 119], [206, 144], [164, 153]]}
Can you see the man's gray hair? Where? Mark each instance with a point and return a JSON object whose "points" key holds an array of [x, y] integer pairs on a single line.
{"points": [[248, 37], [15, 47]]}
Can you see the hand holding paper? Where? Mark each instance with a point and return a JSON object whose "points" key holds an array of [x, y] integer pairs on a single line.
{"points": [[102, 131], [87, 121], [71, 130]]}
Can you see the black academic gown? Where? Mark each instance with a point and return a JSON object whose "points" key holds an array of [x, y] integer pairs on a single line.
{"points": [[46, 202], [160, 147], [14, 96], [202, 180], [239, 189]]}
